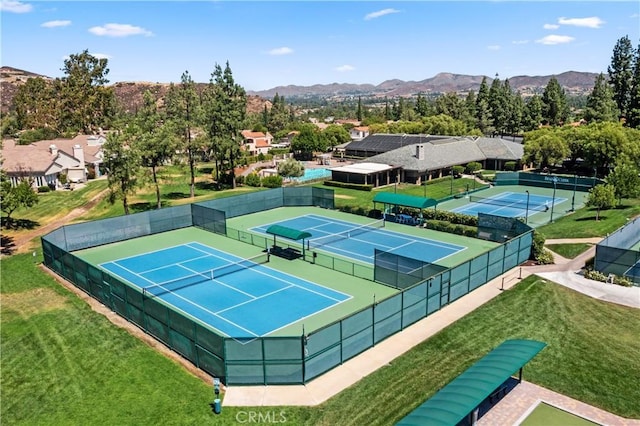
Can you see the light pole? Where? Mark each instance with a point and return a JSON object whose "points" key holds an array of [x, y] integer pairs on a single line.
{"points": [[573, 197], [451, 181], [553, 201], [526, 214]]}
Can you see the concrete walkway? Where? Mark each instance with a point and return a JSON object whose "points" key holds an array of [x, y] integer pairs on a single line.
{"points": [[564, 272]]}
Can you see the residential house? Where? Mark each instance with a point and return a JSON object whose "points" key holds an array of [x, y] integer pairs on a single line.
{"points": [[45, 161], [359, 133], [256, 143]]}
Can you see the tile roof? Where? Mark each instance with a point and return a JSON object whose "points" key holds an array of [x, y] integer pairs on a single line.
{"points": [[37, 156]]}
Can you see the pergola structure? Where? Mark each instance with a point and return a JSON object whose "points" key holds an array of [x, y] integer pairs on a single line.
{"points": [[402, 200], [291, 234]]}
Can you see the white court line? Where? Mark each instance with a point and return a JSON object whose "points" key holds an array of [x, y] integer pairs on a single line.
{"points": [[172, 264], [254, 299], [220, 282]]}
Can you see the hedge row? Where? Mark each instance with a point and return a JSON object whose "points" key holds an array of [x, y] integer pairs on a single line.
{"points": [[358, 186], [443, 226], [455, 218]]}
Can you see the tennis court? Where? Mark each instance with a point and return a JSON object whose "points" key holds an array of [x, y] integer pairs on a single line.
{"points": [[359, 242], [243, 298], [510, 204]]}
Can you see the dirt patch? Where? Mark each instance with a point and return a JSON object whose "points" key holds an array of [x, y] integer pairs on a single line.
{"points": [[346, 197], [33, 302]]}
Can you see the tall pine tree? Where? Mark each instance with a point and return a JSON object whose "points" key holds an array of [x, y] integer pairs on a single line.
{"points": [[633, 117], [600, 103], [621, 74]]}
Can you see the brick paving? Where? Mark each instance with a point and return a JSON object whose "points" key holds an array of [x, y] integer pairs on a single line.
{"points": [[520, 401]]}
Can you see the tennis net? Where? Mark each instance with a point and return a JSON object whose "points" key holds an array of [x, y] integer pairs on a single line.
{"points": [[509, 203], [200, 277], [323, 241]]}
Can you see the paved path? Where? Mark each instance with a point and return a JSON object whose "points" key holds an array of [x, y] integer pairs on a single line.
{"points": [[343, 376]]}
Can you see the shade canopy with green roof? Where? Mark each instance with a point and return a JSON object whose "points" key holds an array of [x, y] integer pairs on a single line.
{"points": [[465, 393], [289, 233], [404, 200]]}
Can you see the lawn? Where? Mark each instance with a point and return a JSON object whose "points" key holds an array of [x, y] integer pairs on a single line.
{"points": [[545, 414], [569, 251], [583, 224], [63, 363]]}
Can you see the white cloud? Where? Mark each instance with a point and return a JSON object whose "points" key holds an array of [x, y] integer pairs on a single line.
{"points": [[493, 47], [15, 6], [520, 42], [101, 55], [555, 39], [345, 68], [591, 22], [55, 24], [279, 51], [119, 30], [379, 13], [95, 55], [551, 26], [635, 15]]}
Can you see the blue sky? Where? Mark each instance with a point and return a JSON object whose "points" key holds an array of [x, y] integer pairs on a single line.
{"points": [[271, 44]]}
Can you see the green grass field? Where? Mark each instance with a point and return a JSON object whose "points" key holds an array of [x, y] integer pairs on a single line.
{"points": [[545, 415], [569, 251], [62, 363]]}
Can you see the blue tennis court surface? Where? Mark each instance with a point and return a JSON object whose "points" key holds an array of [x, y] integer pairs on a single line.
{"points": [[634, 271], [241, 298], [352, 240], [510, 204]]}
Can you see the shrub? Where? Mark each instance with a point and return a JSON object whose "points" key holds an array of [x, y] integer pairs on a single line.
{"points": [[261, 157], [472, 167], [240, 180], [28, 136], [510, 166], [273, 181], [44, 188], [457, 218], [62, 177], [91, 173], [538, 252], [252, 179], [457, 170], [443, 226], [360, 187]]}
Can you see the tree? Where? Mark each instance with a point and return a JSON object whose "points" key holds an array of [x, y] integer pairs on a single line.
{"points": [[516, 114], [87, 103], [554, 103], [36, 105], [278, 116], [483, 111], [335, 134], [544, 148], [532, 113], [422, 106], [498, 103], [625, 179], [123, 165], [601, 197], [308, 141], [14, 197], [183, 109], [451, 105], [156, 140], [359, 110], [290, 168], [621, 74], [633, 115], [225, 112], [600, 103]]}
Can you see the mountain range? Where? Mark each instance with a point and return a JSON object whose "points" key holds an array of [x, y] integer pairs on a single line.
{"points": [[129, 94]]}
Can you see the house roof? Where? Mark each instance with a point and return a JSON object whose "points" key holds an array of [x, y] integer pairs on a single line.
{"points": [[444, 153], [382, 142], [248, 134], [262, 143], [37, 156]]}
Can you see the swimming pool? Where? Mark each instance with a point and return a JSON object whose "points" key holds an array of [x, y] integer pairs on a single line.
{"points": [[313, 174]]}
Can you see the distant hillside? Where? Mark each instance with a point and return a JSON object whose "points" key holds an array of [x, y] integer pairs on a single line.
{"points": [[129, 94], [574, 83]]}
